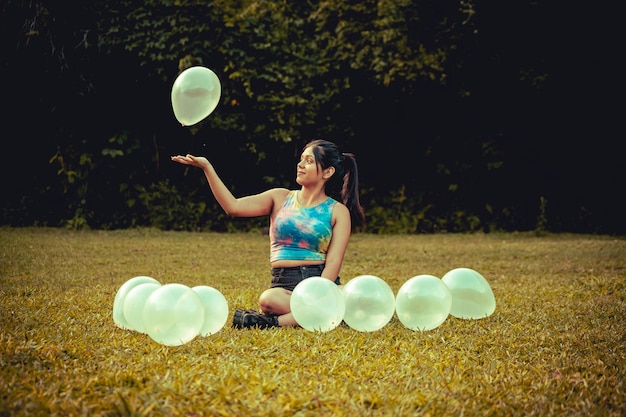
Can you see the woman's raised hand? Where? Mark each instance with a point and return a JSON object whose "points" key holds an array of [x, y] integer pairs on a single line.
{"points": [[196, 161]]}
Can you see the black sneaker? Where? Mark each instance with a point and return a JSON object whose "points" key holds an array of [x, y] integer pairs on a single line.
{"points": [[244, 319]]}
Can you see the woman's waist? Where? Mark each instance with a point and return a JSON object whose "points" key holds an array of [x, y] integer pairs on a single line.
{"points": [[294, 263]]}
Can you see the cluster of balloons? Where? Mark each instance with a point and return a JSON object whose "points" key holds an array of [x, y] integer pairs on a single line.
{"points": [[174, 314], [171, 314], [367, 303], [195, 94]]}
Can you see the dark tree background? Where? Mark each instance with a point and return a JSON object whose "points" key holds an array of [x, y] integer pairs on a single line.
{"points": [[464, 116]]}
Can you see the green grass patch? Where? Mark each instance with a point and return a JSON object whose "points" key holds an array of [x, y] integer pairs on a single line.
{"points": [[554, 346]]}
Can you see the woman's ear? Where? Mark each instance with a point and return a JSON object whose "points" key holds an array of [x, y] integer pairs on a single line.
{"points": [[328, 172]]}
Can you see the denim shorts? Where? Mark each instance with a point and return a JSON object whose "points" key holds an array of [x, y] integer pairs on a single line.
{"points": [[288, 278]]}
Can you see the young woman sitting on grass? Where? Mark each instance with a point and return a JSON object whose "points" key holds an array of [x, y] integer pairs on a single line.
{"points": [[309, 230]]}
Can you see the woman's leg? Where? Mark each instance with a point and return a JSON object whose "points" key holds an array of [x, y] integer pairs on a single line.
{"points": [[275, 301]]}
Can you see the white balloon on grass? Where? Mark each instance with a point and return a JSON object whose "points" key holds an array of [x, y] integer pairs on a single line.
{"points": [[173, 314], [133, 305], [370, 303], [317, 304], [215, 309], [423, 302], [120, 296], [472, 296], [195, 94]]}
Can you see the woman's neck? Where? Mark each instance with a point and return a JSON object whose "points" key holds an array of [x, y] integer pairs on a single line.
{"points": [[309, 198]]}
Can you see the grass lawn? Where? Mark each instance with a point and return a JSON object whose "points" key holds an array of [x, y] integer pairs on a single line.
{"points": [[555, 344]]}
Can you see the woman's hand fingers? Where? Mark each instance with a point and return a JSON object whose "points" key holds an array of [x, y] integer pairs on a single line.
{"points": [[180, 158], [197, 161]]}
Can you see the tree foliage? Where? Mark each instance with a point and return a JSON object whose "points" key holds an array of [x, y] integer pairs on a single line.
{"points": [[447, 105]]}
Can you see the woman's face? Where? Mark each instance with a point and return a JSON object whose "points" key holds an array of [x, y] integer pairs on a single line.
{"points": [[307, 171]]}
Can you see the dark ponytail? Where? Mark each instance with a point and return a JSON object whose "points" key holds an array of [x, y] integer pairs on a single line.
{"points": [[344, 184]]}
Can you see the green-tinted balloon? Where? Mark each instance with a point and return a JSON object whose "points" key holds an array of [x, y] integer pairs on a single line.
{"points": [[120, 296], [472, 296], [317, 304], [195, 94], [370, 303], [133, 305], [423, 302], [173, 315], [215, 309]]}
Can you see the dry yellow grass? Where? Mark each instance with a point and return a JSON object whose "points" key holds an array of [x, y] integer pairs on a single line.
{"points": [[554, 346]]}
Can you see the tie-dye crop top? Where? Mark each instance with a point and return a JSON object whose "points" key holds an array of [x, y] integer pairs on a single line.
{"points": [[301, 233]]}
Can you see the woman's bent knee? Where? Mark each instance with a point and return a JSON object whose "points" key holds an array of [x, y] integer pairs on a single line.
{"points": [[275, 301]]}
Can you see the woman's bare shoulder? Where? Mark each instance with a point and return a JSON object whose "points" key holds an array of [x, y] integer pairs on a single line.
{"points": [[278, 194]]}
